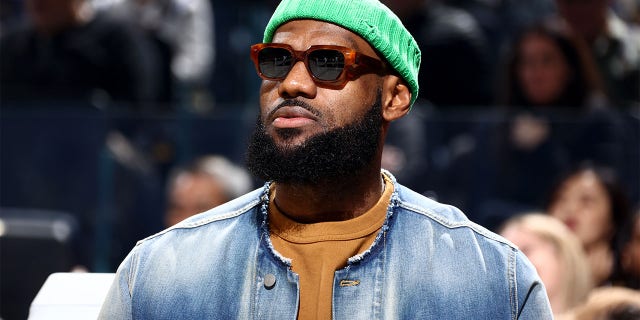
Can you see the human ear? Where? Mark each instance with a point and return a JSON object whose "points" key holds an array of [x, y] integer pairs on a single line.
{"points": [[396, 98]]}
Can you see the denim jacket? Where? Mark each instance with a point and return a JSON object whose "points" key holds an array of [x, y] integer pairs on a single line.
{"points": [[428, 262]]}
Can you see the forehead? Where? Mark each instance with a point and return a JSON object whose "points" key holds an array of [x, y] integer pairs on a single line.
{"points": [[301, 34]]}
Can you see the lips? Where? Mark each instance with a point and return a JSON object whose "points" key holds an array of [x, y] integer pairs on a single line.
{"points": [[292, 117], [572, 224]]}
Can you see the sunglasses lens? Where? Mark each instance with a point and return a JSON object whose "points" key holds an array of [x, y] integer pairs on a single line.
{"points": [[326, 64], [275, 62]]}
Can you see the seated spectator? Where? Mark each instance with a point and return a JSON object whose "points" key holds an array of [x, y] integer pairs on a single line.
{"points": [[209, 181], [593, 205], [548, 68], [555, 115], [183, 33], [608, 303], [614, 45], [557, 255], [66, 53]]}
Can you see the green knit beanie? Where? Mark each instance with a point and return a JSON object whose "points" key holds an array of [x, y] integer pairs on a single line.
{"points": [[369, 19]]}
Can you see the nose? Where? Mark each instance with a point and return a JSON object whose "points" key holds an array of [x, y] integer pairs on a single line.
{"points": [[298, 83]]}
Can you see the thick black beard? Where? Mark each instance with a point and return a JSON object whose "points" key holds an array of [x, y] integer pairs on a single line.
{"points": [[323, 157]]}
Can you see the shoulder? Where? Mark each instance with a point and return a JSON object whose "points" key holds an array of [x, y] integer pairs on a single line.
{"points": [[442, 216], [216, 218], [443, 239], [231, 227]]}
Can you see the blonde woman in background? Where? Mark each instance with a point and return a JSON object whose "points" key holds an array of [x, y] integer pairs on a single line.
{"points": [[557, 255]]}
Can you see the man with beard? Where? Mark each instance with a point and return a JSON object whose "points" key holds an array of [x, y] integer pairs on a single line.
{"points": [[330, 235]]}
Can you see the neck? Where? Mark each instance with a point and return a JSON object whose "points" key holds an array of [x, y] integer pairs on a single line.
{"points": [[330, 200]]}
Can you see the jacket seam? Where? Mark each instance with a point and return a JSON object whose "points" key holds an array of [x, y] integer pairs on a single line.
{"points": [[189, 225], [513, 284], [452, 224], [132, 265]]}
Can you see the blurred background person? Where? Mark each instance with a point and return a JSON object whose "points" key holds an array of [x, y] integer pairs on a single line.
{"points": [[593, 205], [557, 255], [614, 45], [629, 273], [550, 75], [67, 54], [207, 182], [183, 33], [547, 67], [554, 113]]}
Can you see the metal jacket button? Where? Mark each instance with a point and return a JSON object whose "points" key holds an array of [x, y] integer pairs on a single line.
{"points": [[269, 281]]}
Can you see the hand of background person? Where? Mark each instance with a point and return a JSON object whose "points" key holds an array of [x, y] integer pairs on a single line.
{"points": [[601, 261]]}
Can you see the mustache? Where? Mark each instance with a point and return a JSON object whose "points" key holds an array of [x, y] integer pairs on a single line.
{"points": [[295, 103]]}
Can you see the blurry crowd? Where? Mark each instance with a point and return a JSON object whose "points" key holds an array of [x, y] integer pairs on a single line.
{"points": [[528, 119], [132, 54], [152, 52]]}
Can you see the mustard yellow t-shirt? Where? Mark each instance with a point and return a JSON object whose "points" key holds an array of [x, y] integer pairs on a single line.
{"points": [[317, 250]]}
